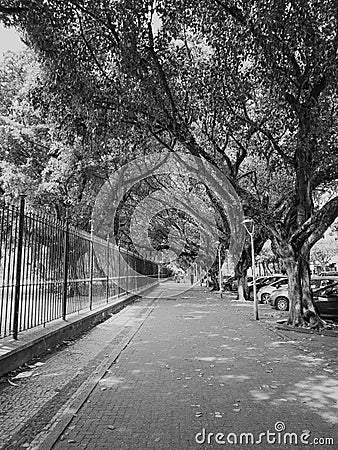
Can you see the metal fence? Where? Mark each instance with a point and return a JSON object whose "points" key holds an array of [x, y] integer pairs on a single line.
{"points": [[48, 270]]}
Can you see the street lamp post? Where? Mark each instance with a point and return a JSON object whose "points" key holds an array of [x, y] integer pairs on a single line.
{"points": [[159, 266], [247, 224], [194, 269]]}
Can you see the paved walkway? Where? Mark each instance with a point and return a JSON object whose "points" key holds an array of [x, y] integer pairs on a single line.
{"points": [[177, 373]]}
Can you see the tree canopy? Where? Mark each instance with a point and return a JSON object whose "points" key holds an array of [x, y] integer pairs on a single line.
{"points": [[249, 86]]}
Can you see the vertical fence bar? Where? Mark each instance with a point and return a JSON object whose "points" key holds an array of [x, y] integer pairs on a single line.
{"points": [[65, 269], [3, 281], [58, 304], [108, 261], [11, 242], [127, 272], [25, 301], [135, 272], [30, 265], [119, 270], [91, 260], [18, 268], [39, 274]]}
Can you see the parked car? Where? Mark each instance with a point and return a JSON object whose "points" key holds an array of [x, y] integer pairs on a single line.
{"points": [[235, 283], [263, 281], [279, 299], [264, 293], [228, 283], [325, 301], [323, 281], [231, 283], [328, 274]]}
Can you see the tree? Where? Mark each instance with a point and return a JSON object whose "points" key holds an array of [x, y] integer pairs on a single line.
{"points": [[37, 160], [218, 78], [23, 136], [323, 251], [131, 89], [268, 260], [293, 48]]}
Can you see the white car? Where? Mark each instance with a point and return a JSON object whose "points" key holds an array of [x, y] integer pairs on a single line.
{"points": [[279, 299], [263, 295]]}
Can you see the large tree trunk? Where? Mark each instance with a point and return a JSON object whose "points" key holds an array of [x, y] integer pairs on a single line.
{"points": [[302, 311], [292, 270], [242, 282], [214, 275], [309, 313]]}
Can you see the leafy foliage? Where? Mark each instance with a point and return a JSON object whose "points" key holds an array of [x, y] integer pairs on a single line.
{"points": [[250, 86]]}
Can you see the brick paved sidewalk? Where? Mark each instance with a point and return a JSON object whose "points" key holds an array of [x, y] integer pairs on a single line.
{"points": [[193, 363]]}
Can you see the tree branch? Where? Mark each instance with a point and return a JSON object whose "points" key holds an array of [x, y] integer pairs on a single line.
{"points": [[108, 25], [238, 15], [220, 150], [329, 173], [8, 10], [235, 12], [90, 48], [314, 228], [160, 70]]}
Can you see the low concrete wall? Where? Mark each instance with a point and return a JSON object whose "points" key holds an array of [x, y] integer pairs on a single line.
{"points": [[35, 342]]}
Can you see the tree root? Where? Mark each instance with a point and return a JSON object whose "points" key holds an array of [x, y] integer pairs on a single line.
{"points": [[310, 320], [313, 321]]}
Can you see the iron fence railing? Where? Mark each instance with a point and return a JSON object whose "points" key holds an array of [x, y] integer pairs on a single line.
{"points": [[49, 269]]}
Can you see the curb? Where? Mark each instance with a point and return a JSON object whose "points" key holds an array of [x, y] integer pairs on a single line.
{"points": [[35, 342], [330, 333], [280, 327]]}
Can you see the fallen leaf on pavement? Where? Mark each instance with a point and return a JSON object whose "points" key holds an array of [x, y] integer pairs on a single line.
{"points": [[23, 375]]}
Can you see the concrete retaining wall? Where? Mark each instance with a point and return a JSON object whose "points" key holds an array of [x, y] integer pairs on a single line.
{"points": [[35, 342]]}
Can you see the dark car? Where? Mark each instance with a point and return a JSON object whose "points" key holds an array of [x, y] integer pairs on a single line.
{"points": [[323, 281], [228, 283], [235, 283], [231, 283], [325, 301], [329, 274]]}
